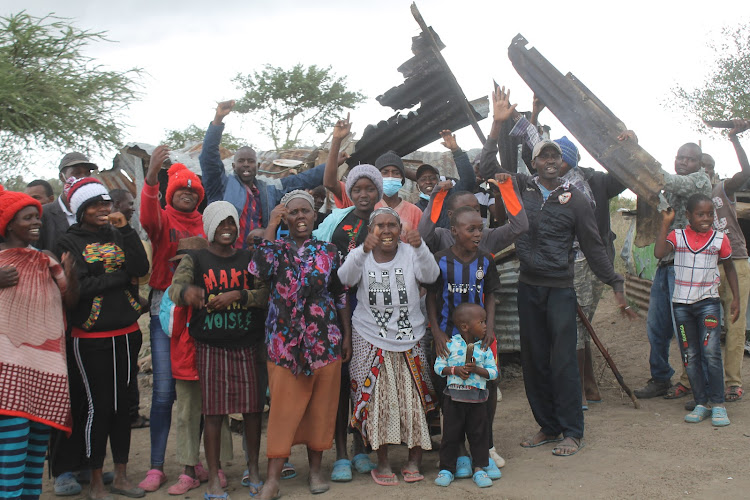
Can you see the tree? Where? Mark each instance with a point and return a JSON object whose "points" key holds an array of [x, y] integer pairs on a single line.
{"points": [[52, 96], [286, 103], [726, 92], [193, 134]]}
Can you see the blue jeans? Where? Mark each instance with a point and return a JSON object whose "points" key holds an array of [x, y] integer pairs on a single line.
{"points": [[660, 323], [163, 392], [699, 325]]}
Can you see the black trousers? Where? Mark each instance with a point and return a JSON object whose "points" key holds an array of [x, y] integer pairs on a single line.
{"points": [[134, 397], [547, 320], [105, 366], [459, 420]]}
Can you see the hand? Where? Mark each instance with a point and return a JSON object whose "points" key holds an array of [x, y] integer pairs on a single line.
{"points": [[441, 342], [117, 219], [443, 186], [68, 264], [488, 339], [734, 309], [346, 349], [341, 129], [449, 140], [343, 156], [537, 105], [8, 276], [625, 309], [462, 372], [500, 178], [471, 366], [413, 238], [667, 216], [371, 242], [222, 110], [194, 297], [224, 300], [278, 214], [628, 135], [739, 126], [501, 108], [158, 157]]}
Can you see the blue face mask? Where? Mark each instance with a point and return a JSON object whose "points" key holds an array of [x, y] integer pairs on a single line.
{"points": [[391, 185], [424, 196]]}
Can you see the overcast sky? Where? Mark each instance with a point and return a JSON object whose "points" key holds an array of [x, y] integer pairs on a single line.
{"points": [[630, 54]]}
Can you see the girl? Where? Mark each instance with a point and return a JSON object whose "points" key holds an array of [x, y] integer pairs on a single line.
{"points": [[695, 302]]}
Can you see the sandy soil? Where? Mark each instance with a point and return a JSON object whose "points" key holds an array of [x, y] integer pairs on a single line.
{"points": [[629, 453]]}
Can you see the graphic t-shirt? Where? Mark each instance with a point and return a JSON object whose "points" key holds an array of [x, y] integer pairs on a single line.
{"points": [[349, 234]]}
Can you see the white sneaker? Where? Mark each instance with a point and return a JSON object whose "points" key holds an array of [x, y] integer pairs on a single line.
{"points": [[499, 461]]}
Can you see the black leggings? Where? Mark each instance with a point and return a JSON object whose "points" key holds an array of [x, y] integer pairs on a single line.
{"points": [[105, 366]]}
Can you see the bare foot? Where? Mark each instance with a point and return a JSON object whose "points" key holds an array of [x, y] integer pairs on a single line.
{"points": [[270, 490], [317, 483], [539, 439]]}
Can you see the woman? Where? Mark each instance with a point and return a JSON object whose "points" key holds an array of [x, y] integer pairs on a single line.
{"points": [[391, 388], [227, 325], [165, 227], [109, 259], [308, 333], [32, 341]]}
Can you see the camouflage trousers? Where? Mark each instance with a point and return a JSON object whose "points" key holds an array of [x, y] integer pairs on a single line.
{"points": [[588, 292]]}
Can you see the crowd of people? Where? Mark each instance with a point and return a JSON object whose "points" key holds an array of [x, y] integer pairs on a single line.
{"points": [[370, 321]]}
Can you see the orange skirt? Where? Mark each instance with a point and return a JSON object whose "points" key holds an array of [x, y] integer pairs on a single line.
{"points": [[303, 409]]}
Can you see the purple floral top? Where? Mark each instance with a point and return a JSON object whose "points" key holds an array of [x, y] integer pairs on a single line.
{"points": [[302, 330]]}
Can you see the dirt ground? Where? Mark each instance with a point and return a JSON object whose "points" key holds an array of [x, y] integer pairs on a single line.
{"points": [[629, 453]]}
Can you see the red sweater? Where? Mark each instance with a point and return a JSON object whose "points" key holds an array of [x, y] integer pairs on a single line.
{"points": [[165, 227]]}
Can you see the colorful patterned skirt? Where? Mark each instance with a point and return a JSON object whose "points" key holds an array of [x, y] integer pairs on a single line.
{"points": [[232, 380], [392, 395]]}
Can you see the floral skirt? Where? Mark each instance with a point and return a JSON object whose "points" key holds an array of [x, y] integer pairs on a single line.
{"points": [[392, 395]]}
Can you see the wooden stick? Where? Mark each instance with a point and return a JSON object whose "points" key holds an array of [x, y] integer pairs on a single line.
{"points": [[451, 77], [607, 357]]}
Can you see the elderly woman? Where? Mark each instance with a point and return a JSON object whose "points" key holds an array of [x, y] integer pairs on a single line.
{"points": [[308, 333], [391, 389]]}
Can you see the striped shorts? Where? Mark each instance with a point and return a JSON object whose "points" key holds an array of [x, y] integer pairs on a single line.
{"points": [[232, 380], [23, 446]]}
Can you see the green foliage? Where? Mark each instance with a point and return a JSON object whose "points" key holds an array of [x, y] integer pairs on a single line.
{"points": [[286, 103], [619, 202], [18, 183], [51, 94], [725, 94], [177, 139]]}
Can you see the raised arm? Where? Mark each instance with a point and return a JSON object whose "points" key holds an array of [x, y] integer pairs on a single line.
{"points": [[341, 130], [662, 247], [499, 238], [427, 228], [735, 183], [150, 211], [466, 177], [502, 110], [213, 175]]}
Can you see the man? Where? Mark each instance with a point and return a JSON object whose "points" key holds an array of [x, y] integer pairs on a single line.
{"points": [[41, 191], [558, 213], [252, 197], [724, 198], [56, 215]]}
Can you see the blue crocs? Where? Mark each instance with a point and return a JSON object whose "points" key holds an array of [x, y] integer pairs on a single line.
{"points": [[463, 467], [481, 479], [444, 478], [342, 471], [66, 485], [363, 464], [492, 471]]}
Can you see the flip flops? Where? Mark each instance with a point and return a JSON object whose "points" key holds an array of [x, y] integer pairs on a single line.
{"points": [[529, 442], [363, 464], [579, 443], [223, 496], [342, 471], [288, 471], [411, 476], [733, 393], [254, 486], [384, 479]]}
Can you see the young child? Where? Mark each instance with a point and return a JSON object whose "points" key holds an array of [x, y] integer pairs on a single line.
{"points": [[695, 302], [465, 396]]}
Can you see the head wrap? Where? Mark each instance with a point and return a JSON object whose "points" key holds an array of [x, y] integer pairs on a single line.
{"points": [[82, 192], [568, 150], [216, 213], [364, 171], [11, 203], [297, 193], [384, 210], [391, 159], [182, 178]]}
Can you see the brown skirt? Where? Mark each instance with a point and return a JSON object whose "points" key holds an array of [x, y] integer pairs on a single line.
{"points": [[232, 380]]}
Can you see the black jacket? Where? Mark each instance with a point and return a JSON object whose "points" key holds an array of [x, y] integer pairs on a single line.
{"points": [[604, 186], [106, 261], [546, 249], [54, 226]]}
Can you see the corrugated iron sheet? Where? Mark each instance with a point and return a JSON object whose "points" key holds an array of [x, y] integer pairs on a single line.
{"points": [[638, 291], [506, 307]]}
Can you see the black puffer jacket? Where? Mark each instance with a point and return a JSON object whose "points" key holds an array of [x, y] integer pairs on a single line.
{"points": [[546, 249]]}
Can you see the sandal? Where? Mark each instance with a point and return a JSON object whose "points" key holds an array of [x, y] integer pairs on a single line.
{"points": [[677, 391], [733, 393], [254, 486], [444, 478], [556, 451], [223, 496], [342, 471], [384, 479], [411, 476], [481, 479], [529, 441], [288, 471]]}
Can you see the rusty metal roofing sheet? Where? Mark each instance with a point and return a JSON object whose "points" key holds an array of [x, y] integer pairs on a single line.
{"points": [[506, 307]]}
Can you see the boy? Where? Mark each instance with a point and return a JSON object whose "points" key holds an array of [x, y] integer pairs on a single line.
{"points": [[466, 394], [696, 304], [467, 274]]}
